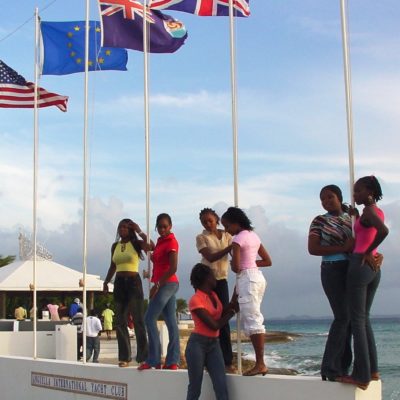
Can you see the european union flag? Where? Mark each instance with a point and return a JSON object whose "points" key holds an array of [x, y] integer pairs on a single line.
{"points": [[64, 49]]}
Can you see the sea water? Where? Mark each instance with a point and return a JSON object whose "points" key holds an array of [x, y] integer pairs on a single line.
{"points": [[304, 353]]}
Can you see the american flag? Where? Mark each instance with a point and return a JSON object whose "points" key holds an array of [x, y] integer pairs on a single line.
{"points": [[16, 92], [203, 7]]}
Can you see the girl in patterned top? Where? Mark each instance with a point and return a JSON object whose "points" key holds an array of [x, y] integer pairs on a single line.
{"points": [[330, 236]]}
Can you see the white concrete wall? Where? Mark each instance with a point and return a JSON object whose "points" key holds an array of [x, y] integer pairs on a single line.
{"points": [[16, 374]]}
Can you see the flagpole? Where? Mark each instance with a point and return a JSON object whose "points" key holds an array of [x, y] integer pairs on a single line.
{"points": [[347, 81], [146, 132], [35, 177], [85, 179], [235, 155]]}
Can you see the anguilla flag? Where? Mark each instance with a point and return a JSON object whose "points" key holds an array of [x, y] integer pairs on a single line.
{"points": [[64, 49], [122, 23], [206, 8]]}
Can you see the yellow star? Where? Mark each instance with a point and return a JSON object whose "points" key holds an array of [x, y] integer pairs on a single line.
{"points": [[108, 52], [90, 63], [70, 34], [73, 54], [98, 29], [69, 44], [100, 60], [77, 28], [79, 60]]}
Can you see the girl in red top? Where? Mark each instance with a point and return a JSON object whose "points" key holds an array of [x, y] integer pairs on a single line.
{"points": [[162, 297], [203, 349]]}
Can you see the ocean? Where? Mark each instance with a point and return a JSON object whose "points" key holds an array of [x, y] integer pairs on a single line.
{"points": [[304, 352]]}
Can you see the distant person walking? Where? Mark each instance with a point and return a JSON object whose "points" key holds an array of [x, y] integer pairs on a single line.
{"points": [[20, 313], [108, 315], [93, 327], [73, 308], [363, 280], [128, 290], [53, 310], [214, 246], [250, 286], [330, 236], [77, 320]]}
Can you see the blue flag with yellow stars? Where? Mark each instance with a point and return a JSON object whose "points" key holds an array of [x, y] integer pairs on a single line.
{"points": [[64, 49]]}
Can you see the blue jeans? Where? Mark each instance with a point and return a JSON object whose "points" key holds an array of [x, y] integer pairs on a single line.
{"points": [[203, 351], [362, 283], [128, 298], [337, 355], [92, 346], [163, 303]]}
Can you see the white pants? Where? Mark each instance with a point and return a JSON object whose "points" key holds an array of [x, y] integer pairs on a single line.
{"points": [[250, 287]]}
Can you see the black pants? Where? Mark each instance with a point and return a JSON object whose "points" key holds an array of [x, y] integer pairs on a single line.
{"points": [[222, 292], [362, 283], [128, 297], [337, 356]]}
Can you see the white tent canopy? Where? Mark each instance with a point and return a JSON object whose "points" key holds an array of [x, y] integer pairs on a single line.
{"points": [[50, 276]]}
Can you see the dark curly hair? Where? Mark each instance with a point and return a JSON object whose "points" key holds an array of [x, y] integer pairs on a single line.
{"points": [[132, 237], [372, 184], [200, 272], [205, 211], [237, 216]]}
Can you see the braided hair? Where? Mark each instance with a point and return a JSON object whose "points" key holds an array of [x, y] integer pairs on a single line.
{"points": [[372, 184], [237, 216], [205, 211], [163, 216], [132, 237]]}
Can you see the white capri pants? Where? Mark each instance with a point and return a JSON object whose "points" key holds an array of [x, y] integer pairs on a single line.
{"points": [[251, 286]]}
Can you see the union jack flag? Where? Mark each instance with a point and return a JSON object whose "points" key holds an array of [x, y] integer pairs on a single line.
{"points": [[129, 9], [204, 7]]}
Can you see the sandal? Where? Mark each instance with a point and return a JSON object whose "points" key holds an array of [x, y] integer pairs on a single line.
{"points": [[255, 371], [231, 369], [123, 364], [350, 380], [375, 376]]}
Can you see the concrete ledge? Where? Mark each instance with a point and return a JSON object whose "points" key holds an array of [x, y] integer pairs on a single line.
{"points": [[63, 380]]}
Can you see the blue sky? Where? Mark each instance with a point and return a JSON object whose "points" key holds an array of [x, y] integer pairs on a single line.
{"points": [[292, 137]]}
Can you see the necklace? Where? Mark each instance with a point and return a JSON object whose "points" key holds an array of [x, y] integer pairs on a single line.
{"points": [[123, 247]]}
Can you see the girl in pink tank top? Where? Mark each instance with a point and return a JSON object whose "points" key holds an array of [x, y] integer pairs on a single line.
{"points": [[363, 280]]}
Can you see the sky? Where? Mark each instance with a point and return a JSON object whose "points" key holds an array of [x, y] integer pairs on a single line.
{"points": [[291, 127]]}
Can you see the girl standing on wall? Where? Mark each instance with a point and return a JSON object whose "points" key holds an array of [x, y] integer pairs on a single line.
{"points": [[250, 287], [363, 279], [331, 237], [162, 297], [128, 290]]}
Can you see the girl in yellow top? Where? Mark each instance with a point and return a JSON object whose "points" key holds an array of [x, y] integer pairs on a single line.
{"points": [[128, 290]]}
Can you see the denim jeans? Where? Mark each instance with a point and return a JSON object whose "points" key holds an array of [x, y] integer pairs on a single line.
{"points": [[163, 303], [362, 283], [202, 351], [93, 347], [128, 298], [337, 356], [222, 292]]}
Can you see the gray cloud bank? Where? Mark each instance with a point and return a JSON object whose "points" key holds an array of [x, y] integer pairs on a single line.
{"points": [[294, 286]]}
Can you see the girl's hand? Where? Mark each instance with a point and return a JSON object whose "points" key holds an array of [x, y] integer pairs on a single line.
{"points": [[353, 212], [371, 261], [134, 226], [348, 245], [154, 290]]}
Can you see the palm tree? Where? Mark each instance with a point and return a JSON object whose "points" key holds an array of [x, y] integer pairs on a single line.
{"points": [[6, 260]]}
